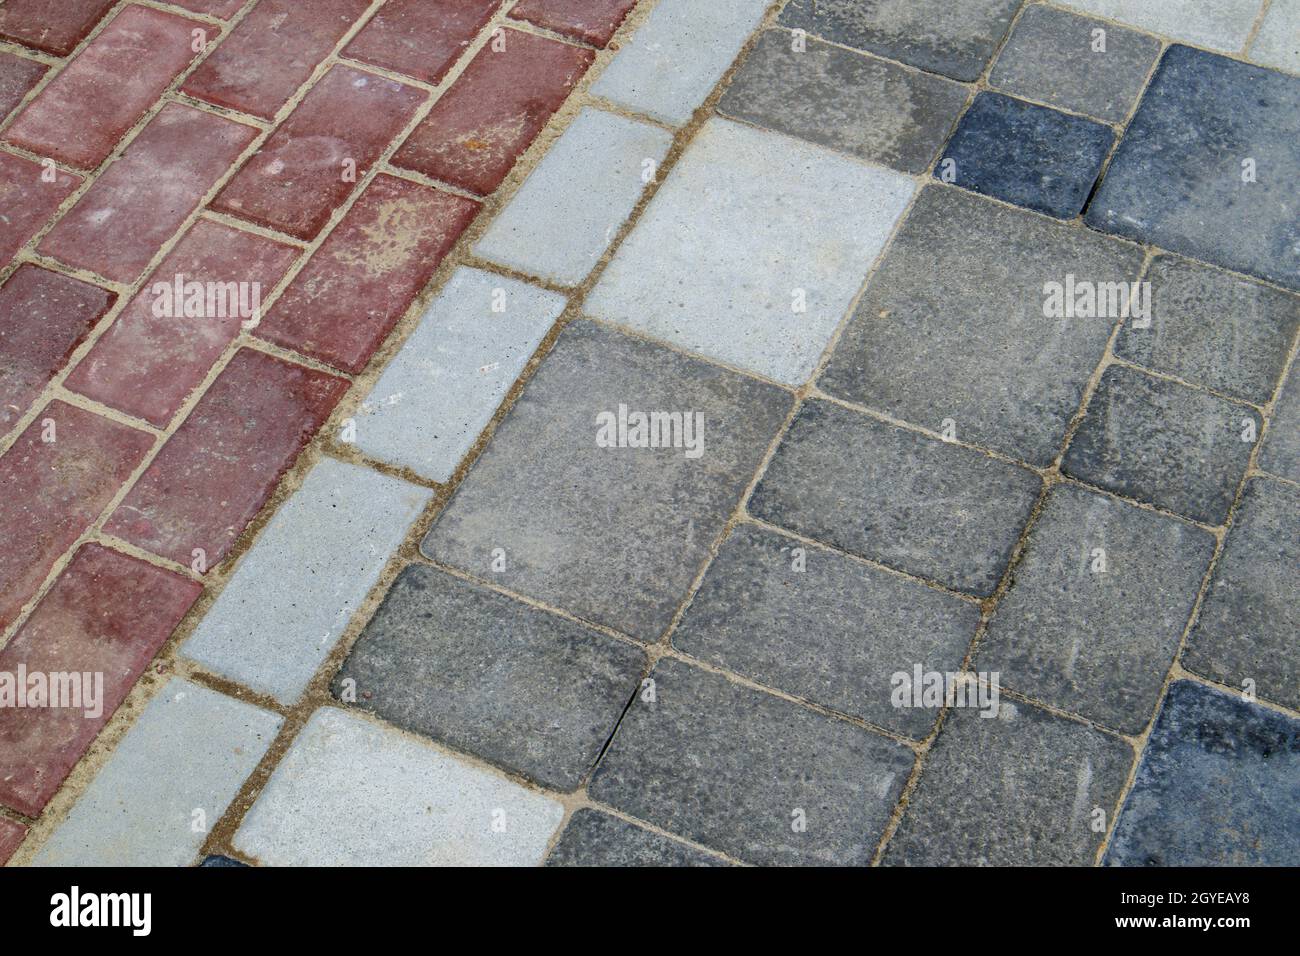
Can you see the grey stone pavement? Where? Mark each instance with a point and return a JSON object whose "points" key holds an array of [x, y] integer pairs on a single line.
{"points": [[869, 435]]}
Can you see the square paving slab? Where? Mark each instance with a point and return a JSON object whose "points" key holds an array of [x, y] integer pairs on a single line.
{"points": [[594, 839]]}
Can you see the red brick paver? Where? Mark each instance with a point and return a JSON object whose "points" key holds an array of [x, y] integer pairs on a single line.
{"points": [[11, 835], [55, 26], [105, 614], [594, 21], [29, 195], [44, 316], [342, 306], [478, 129], [314, 161], [223, 9], [17, 77], [51, 491], [421, 38], [75, 119], [221, 466]]}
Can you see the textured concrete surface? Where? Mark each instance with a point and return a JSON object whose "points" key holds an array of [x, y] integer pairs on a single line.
{"points": [[595, 839], [1222, 25]]}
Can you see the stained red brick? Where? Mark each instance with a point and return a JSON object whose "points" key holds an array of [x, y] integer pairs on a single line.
{"points": [[55, 26], [217, 8], [421, 38], [79, 117], [105, 614], [301, 174], [594, 21], [26, 201], [271, 53], [140, 201], [222, 464], [11, 835], [480, 126], [17, 77], [52, 491], [44, 316], [347, 299]]}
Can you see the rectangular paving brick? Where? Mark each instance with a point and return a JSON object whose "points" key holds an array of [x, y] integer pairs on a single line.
{"points": [[1278, 44], [218, 469], [313, 161], [1248, 622], [1222, 25], [1018, 789], [136, 57], [342, 305], [1160, 442], [756, 767], [147, 363], [859, 104], [55, 26], [421, 38], [596, 839], [12, 834], [223, 9], [18, 75], [974, 276], [1280, 454], [917, 504], [189, 752], [140, 201], [1163, 186], [44, 316], [442, 388], [742, 196], [564, 216], [1218, 786], [52, 490], [672, 62], [354, 792], [823, 627], [482, 672], [271, 52], [562, 509], [484, 122], [1095, 614], [28, 201], [103, 619], [592, 21], [327, 545]]}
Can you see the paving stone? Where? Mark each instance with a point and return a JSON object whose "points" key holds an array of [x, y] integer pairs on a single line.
{"points": [[1018, 789], [137, 56], [558, 225], [354, 792], [44, 316], [956, 38], [302, 173], [139, 202], [833, 633], [1222, 25], [223, 9], [271, 52], [28, 201], [1280, 454], [421, 38], [218, 861], [343, 304], [592, 21], [1163, 443], [12, 834], [188, 753], [438, 394], [952, 325], [1090, 638], [1176, 180], [326, 546], [1052, 57], [55, 26], [147, 364], [563, 510], [54, 490], [1025, 154], [933, 509], [103, 619], [1213, 328], [219, 468], [1249, 619], [1218, 786], [670, 65], [752, 766], [18, 75], [728, 245], [1278, 41], [595, 839], [871, 108], [521, 688], [493, 112]]}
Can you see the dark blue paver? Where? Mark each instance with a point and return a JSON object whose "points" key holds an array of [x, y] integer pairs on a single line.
{"points": [[218, 860]]}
